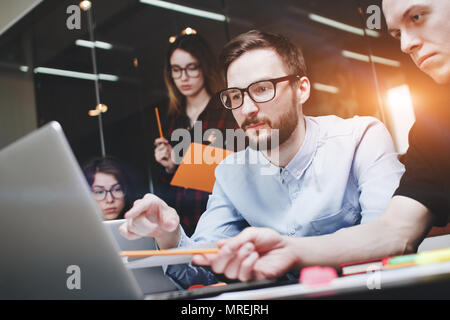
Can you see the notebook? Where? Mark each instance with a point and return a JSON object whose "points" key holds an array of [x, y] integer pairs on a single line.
{"points": [[196, 170]]}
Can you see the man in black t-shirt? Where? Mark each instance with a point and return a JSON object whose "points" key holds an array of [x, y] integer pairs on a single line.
{"points": [[422, 199], [427, 162], [424, 33]]}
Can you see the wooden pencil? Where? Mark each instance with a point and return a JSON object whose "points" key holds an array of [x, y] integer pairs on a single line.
{"points": [[158, 120], [151, 253]]}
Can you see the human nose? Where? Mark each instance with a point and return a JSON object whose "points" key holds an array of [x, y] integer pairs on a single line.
{"points": [[410, 42], [184, 75], [249, 107], [109, 197]]}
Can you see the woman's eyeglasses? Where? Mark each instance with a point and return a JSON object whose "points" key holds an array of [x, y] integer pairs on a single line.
{"points": [[101, 193], [192, 71]]}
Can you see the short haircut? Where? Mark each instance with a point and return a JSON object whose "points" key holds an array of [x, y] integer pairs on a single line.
{"points": [[290, 54]]}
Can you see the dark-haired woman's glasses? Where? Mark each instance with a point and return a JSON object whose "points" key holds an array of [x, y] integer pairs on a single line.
{"points": [[100, 193], [192, 71]]}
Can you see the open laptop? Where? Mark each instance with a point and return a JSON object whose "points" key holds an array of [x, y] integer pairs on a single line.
{"points": [[54, 245]]}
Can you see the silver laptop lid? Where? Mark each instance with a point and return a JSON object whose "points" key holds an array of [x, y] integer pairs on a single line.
{"points": [[54, 245]]}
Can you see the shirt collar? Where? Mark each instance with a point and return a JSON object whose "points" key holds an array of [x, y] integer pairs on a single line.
{"points": [[303, 158]]}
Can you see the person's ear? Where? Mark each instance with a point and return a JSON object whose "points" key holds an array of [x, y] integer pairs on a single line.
{"points": [[304, 89]]}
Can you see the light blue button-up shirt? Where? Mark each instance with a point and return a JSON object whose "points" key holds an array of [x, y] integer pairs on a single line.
{"points": [[344, 174]]}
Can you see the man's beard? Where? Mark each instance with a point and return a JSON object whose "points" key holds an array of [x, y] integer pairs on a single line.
{"points": [[277, 134]]}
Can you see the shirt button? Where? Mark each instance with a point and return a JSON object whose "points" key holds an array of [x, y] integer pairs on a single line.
{"points": [[291, 232], [285, 174]]}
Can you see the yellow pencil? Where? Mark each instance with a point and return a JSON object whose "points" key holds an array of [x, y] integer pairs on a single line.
{"points": [[151, 253]]}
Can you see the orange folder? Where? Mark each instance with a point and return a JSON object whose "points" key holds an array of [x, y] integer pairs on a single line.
{"points": [[196, 170]]}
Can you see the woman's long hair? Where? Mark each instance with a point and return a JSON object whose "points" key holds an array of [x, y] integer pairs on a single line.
{"points": [[197, 46]]}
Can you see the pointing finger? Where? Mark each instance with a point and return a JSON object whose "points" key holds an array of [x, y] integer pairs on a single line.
{"points": [[123, 230]]}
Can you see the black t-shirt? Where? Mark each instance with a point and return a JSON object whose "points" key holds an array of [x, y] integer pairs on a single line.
{"points": [[427, 162]]}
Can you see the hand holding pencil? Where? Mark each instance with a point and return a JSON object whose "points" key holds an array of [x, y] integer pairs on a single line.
{"points": [[163, 154], [254, 254]]}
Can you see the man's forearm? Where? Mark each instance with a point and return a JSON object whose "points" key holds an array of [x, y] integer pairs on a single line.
{"points": [[399, 230], [362, 242]]}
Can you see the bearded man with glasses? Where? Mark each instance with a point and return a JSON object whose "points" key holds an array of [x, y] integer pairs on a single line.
{"points": [[328, 173]]}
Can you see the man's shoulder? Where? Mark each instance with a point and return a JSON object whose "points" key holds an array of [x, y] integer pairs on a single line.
{"points": [[334, 126]]}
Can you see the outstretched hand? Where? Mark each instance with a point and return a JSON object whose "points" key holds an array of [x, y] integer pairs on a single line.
{"points": [[152, 217], [254, 254]]}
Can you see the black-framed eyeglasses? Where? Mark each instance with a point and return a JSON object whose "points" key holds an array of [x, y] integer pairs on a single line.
{"points": [[116, 192], [192, 71], [260, 91]]}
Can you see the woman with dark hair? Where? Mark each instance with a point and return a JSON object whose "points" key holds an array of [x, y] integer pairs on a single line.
{"points": [[110, 185], [190, 72], [192, 78]]}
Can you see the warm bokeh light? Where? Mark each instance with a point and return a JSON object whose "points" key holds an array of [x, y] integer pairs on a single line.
{"points": [[325, 88], [93, 113], [99, 108], [85, 5], [102, 108], [401, 115], [189, 30]]}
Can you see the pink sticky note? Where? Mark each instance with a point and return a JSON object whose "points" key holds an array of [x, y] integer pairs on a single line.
{"points": [[317, 276]]}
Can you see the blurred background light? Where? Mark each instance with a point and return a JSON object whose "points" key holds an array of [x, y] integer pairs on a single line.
{"points": [[185, 9], [401, 115]]}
